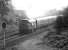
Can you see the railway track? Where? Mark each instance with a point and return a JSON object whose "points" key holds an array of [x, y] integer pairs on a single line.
{"points": [[13, 40]]}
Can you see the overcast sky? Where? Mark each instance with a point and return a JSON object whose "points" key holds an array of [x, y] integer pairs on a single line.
{"points": [[35, 8]]}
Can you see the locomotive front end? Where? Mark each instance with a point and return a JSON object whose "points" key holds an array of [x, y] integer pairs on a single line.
{"points": [[26, 26]]}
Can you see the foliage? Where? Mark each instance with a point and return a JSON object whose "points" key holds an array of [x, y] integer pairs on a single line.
{"points": [[3, 7], [65, 11]]}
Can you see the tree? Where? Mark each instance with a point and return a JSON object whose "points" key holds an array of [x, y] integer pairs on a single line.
{"points": [[65, 11], [3, 7]]}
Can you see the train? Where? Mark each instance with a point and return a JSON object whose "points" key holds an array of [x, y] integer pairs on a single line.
{"points": [[30, 25]]}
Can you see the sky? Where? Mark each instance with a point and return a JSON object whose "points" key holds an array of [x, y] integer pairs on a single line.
{"points": [[35, 8]]}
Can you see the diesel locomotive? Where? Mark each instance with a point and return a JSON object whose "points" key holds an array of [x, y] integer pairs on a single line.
{"points": [[30, 25]]}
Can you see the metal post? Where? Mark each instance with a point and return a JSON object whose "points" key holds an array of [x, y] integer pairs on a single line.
{"points": [[32, 27], [36, 23], [4, 28]]}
